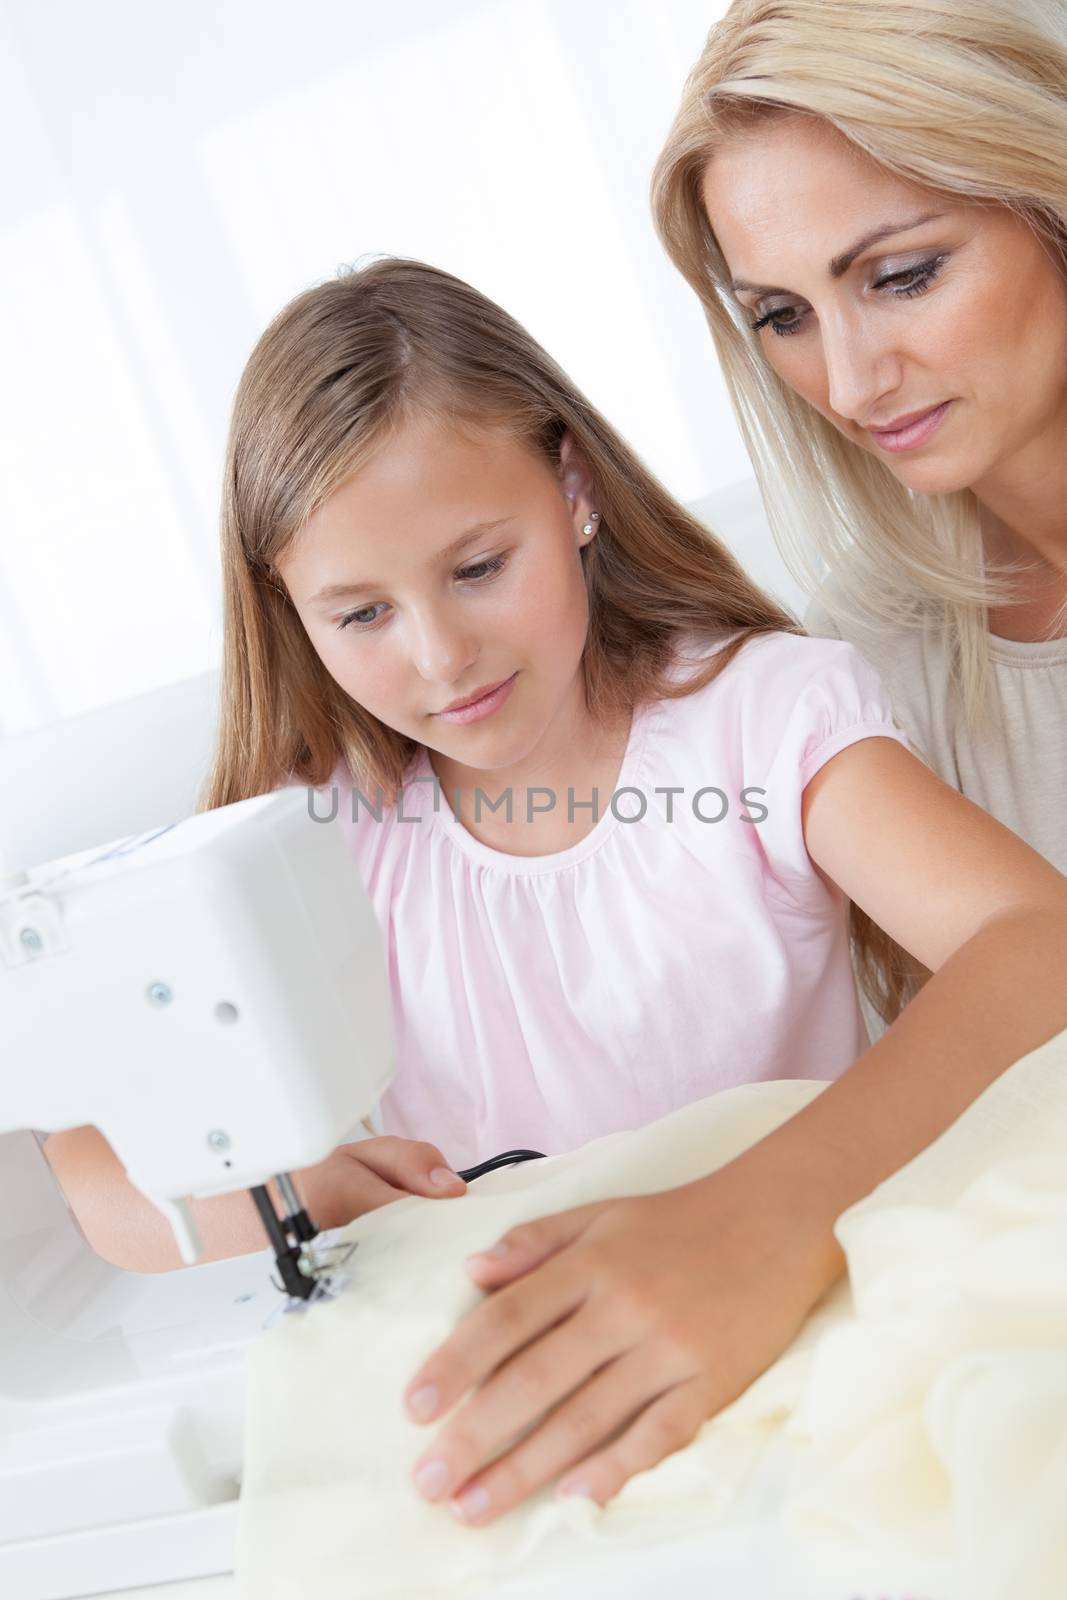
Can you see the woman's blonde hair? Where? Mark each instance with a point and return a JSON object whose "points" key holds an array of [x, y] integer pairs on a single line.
{"points": [[967, 98], [334, 374]]}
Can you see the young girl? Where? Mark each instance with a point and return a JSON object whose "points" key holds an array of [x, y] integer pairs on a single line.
{"points": [[443, 567], [424, 509]]}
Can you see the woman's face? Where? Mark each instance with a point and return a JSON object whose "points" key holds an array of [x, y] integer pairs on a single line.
{"points": [[453, 564], [955, 314]]}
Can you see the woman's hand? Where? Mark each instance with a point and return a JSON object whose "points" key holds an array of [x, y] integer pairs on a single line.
{"points": [[630, 1322], [361, 1177]]}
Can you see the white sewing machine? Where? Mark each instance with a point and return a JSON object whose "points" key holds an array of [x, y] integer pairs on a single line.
{"points": [[213, 997]]}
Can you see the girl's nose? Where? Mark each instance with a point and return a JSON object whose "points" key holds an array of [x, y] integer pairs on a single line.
{"points": [[442, 652]]}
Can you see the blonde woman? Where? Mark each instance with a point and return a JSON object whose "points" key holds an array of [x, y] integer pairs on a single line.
{"points": [[870, 199]]}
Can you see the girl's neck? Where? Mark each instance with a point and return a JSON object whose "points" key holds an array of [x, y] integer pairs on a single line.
{"points": [[576, 756]]}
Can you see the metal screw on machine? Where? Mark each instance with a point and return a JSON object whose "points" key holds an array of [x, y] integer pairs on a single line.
{"points": [[30, 939], [218, 1139], [159, 994]]}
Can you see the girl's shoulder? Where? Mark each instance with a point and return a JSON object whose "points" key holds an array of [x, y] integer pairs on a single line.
{"points": [[366, 818], [776, 670], [785, 703], [780, 709]]}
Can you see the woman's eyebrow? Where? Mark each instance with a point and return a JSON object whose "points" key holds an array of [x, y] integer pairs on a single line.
{"points": [[840, 264], [338, 591]]}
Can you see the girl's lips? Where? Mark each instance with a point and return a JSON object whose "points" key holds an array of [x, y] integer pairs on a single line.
{"points": [[481, 708], [915, 433]]}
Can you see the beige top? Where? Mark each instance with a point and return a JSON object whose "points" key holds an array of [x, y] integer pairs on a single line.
{"points": [[1017, 770]]}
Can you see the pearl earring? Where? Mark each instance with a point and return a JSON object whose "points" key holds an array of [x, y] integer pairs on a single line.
{"points": [[590, 526]]}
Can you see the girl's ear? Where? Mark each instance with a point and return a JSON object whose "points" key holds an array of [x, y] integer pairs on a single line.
{"points": [[574, 476]]}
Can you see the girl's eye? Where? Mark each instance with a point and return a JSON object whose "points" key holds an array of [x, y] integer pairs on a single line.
{"points": [[479, 572], [356, 618], [915, 280], [481, 569]]}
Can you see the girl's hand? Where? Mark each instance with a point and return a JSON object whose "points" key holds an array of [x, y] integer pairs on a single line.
{"points": [[361, 1177], [646, 1315], [122, 1225]]}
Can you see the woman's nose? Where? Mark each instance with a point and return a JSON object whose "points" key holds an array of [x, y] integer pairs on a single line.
{"points": [[861, 370]]}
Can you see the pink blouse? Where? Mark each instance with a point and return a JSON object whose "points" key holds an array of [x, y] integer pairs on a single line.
{"points": [[687, 944]]}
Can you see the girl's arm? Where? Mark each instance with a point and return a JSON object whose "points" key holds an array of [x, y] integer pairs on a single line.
{"points": [[124, 1227], [642, 1317]]}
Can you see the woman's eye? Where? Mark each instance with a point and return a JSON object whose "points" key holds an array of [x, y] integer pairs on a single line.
{"points": [[784, 320], [772, 319], [479, 572], [914, 280]]}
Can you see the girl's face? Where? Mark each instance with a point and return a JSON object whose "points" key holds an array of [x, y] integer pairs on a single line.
{"points": [[880, 303], [450, 563]]}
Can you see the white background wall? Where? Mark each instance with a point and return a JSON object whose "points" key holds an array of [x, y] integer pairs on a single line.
{"points": [[175, 170]]}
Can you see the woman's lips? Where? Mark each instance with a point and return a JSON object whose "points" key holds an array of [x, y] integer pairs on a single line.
{"points": [[483, 707], [915, 433]]}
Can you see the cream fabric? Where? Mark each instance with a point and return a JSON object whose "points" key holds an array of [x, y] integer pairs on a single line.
{"points": [[926, 1397]]}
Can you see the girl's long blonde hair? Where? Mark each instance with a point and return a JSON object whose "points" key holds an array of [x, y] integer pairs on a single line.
{"points": [[340, 367], [967, 98]]}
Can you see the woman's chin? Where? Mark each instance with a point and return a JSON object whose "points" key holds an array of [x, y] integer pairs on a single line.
{"points": [[947, 476]]}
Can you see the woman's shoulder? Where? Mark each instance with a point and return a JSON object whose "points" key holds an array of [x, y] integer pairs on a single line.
{"points": [[899, 651]]}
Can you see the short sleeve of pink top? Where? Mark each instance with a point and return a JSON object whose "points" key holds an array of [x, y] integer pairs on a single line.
{"points": [[685, 945]]}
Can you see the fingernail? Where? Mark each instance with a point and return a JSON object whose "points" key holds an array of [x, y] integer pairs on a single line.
{"points": [[575, 1486], [444, 1178], [492, 1254], [472, 1505], [431, 1478], [424, 1402]]}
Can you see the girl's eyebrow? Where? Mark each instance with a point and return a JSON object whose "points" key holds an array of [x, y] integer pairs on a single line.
{"points": [[840, 264], [338, 591]]}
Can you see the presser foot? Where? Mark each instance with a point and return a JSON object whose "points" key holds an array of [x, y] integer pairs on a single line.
{"points": [[327, 1278], [308, 1267]]}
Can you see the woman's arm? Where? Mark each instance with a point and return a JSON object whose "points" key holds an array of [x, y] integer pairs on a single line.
{"points": [[976, 905], [642, 1317], [124, 1227]]}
